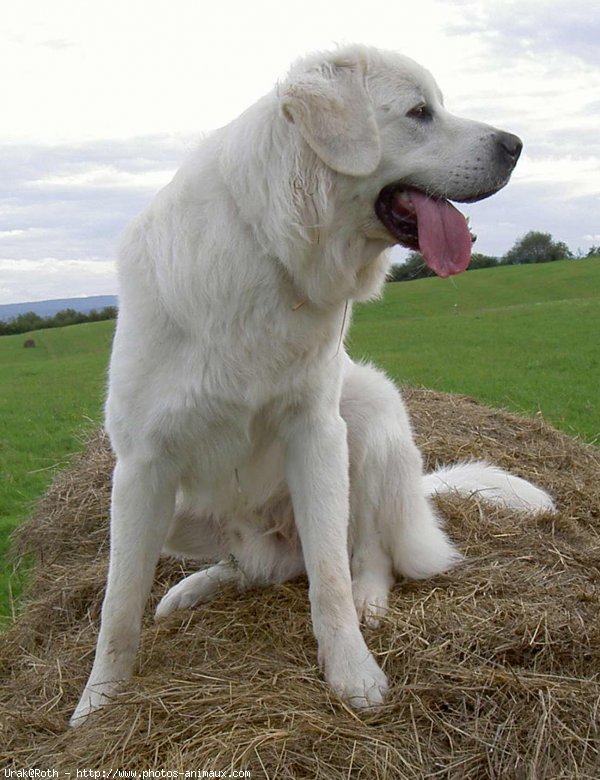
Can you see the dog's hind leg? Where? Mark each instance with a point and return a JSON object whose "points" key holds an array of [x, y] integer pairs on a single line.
{"points": [[199, 587], [143, 499], [370, 564], [197, 536], [393, 525], [263, 549]]}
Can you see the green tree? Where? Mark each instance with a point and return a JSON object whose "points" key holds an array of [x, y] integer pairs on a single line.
{"points": [[416, 268], [26, 322], [536, 247], [29, 321], [482, 261], [108, 313]]}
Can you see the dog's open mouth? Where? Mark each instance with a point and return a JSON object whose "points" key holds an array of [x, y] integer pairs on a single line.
{"points": [[433, 226]]}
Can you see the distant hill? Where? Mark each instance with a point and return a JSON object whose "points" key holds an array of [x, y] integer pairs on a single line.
{"points": [[8, 311]]}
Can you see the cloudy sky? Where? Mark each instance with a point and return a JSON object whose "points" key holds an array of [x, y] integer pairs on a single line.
{"points": [[100, 102]]}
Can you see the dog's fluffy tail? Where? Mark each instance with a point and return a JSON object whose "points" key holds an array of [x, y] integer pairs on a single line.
{"points": [[490, 483]]}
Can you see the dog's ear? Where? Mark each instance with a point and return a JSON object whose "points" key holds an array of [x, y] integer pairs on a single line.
{"points": [[333, 113]]}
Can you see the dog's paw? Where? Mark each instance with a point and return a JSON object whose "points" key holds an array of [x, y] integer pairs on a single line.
{"points": [[357, 678], [186, 594], [93, 698], [197, 588], [370, 600]]}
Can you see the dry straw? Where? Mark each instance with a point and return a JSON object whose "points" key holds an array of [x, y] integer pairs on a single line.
{"points": [[494, 667]]}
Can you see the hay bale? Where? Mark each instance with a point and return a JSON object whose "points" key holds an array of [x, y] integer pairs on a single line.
{"points": [[494, 667]]}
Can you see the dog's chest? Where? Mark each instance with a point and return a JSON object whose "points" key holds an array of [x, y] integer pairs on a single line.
{"points": [[228, 433], [262, 355], [215, 401]]}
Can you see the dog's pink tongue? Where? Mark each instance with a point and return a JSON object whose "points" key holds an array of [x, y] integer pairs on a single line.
{"points": [[444, 236]]}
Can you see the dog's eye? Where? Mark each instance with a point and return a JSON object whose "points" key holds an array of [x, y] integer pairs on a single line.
{"points": [[421, 112]]}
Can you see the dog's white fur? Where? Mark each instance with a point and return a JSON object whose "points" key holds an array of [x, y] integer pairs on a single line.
{"points": [[243, 432]]}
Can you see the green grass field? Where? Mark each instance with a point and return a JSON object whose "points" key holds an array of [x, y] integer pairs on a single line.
{"points": [[525, 338], [49, 397], [520, 337]]}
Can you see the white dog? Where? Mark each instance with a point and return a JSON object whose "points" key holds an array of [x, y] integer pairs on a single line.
{"points": [[243, 432]]}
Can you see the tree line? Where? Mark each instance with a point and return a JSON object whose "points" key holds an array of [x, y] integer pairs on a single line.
{"points": [[29, 321], [534, 247]]}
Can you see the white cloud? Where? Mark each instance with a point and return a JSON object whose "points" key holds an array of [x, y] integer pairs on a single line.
{"points": [[13, 233], [104, 177], [104, 100], [529, 28], [37, 280], [564, 178]]}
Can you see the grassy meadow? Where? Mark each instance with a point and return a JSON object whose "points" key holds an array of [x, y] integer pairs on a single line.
{"points": [[525, 338], [49, 397], [519, 337]]}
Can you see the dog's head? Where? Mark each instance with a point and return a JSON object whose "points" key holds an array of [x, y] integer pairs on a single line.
{"points": [[378, 118]]}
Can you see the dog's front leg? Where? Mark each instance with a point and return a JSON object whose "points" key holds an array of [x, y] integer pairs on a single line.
{"points": [[143, 500], [317, 474]]}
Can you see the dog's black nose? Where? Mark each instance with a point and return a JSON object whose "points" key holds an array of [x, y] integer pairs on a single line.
{"points": [[510, 145]]}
